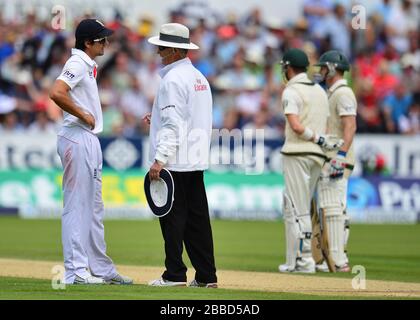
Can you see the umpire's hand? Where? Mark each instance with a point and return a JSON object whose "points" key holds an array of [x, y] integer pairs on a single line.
{"points": [[147, 117], [155, 170]]}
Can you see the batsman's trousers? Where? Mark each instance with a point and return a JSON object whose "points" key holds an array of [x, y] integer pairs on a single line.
{"points": [[188, 223], [83, 240], [301, 174]]}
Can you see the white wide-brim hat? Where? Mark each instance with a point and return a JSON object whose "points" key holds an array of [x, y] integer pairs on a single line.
{"points": [[174, 35], [160, 193]]}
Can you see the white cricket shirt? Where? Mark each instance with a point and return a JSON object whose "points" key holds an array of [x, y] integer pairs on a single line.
{"points": [[181, 123], [79, 73]]}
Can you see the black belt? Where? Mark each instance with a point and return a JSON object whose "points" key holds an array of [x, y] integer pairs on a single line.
{"points": [[327, 159], [323, 156]]}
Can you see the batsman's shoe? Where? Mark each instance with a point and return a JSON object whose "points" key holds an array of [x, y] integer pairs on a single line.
{"points": [[322, 267], [284, 268], [88, 280], [120, 279], [166, 283], [197, 284], [344, 268]]}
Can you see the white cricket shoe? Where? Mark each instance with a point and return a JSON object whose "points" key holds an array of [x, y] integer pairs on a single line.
{"points": [[344, 268], [284, 268], [166, 283], [322, 267], [120, 279], [88, 280]]}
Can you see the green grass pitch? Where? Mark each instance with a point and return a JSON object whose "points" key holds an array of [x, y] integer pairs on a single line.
{"points": [[388, 252]]}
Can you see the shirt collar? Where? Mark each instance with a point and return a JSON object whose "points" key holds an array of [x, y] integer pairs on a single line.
{"points": [[301, 77], [337, 84], [84, 57], [173, 65]]}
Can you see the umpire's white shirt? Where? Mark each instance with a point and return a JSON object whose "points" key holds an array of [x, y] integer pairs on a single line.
{"points": [[79, 73], [181, 121]]}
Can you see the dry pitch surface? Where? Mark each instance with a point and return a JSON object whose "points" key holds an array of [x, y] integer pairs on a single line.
{"points": [[240, 280]]}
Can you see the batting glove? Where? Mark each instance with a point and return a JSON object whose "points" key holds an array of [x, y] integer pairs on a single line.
{"points": [[328, 142], [337, 166]]}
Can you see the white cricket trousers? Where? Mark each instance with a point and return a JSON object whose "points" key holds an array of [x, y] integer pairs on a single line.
{"points": [[301, 174], [84, 247]]}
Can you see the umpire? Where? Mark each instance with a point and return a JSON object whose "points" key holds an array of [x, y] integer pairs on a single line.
{"points": [[181, 124]]}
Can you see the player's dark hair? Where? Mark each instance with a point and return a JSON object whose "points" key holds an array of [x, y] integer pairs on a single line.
{"points": [[340, 72], [80, 44], [298, 70]]}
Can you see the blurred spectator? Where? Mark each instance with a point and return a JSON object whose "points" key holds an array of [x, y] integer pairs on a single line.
{"points": [[227, 44], [249, 101], [147, 74], [9, 123], [333, 30], [134, 105], [7, 103], [410, 123], [316, 10], [42, 101], [396, 105], [203, 63], [261, 121], [239, 55], [403, 19], [42, 124], [231, 119], [383, 11], [121, 73]]}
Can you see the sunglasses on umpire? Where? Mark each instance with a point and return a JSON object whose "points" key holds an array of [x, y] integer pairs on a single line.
{"points": [[101, 40], [161, 48]]}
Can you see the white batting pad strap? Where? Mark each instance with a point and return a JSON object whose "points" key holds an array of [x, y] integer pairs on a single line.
{"points": [[335, 226], [292, 232], [305, 227], [346, 235], [292, 242]]}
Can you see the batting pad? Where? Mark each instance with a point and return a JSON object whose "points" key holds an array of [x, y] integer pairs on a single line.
{"points": [[298, 237], [336, 238]]}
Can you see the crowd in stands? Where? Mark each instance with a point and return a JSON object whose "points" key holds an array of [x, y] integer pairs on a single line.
{"points": [[238, 54]]}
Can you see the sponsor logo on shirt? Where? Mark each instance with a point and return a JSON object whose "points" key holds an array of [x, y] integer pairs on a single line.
{"points": [[199, 86], [92, 74], [68, 74]]}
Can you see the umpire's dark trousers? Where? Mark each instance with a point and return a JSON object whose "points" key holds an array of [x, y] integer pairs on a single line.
{"points": [[188, 223]]}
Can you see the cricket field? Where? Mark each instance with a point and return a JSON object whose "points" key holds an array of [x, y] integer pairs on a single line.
{"points": [[385, 261]]}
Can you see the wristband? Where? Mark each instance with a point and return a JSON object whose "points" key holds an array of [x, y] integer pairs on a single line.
{"points": [[307, 135], [342, 153]]}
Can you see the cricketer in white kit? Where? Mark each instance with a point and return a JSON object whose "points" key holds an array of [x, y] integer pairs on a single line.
{"points": [[76, 92], [306, 110], [332, 187]]}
